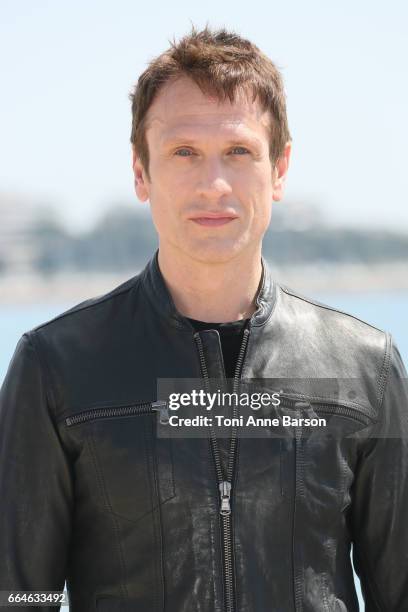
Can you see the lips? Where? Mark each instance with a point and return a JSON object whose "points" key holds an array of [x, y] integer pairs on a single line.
{"points": [[213, 220]]}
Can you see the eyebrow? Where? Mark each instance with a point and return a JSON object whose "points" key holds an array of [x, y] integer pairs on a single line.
{"points": [[245, 140]]}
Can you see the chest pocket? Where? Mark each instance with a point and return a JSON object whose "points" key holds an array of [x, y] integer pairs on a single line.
{"points": [[324, 465], [325, 455], [132, 466]]}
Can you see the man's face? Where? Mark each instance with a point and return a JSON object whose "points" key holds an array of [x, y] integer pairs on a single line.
{"points": [[211, 181]]}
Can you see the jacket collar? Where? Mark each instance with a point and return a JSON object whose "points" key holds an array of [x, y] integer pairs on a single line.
{"points": [[160, 298]]}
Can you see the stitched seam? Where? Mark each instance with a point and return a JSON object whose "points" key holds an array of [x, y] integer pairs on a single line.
{"points": [[95, 302], [33, 340], [153, 507], [102, 487], [173, 483], [343, 485], [142, 516], [51, 403], [150, 462], [297, 568], [385, 369], [281, 466], [326, 307], [343, 402], [325, 593], [293, 523], [47, 385], [213, 558], [383, 380], [160, 520]]}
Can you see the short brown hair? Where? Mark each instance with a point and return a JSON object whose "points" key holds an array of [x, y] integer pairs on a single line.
{"points": [[219, 62]]}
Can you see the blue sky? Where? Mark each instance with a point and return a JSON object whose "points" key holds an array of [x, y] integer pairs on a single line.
{"points": [[67, 68]]}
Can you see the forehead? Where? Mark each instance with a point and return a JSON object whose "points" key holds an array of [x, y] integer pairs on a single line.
{"points": [[181, 107]]}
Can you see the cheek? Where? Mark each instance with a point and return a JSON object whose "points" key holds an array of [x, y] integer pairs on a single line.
{"points": [[166, 200], [168, 182], [256, 177], [257, 189]]}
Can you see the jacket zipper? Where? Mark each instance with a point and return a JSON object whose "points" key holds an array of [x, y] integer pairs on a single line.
{"points": [[225, 483], [330, 408], [121, 411]]}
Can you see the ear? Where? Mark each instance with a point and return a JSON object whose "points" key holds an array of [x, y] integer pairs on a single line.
{"points": [[141, 178], [280, 172]]}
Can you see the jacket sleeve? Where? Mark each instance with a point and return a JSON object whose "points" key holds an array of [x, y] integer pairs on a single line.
{"points": [[35, 481], [380, 497]]}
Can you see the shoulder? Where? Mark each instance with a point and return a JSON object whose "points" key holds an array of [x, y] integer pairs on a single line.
{"points": [[338, 343], [321, 313], [92, 305], [88, 319]]}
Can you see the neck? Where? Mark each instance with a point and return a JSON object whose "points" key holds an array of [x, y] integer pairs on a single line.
{"points": [[212, 292]]}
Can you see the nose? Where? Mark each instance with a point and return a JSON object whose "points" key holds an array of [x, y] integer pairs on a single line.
{"points": [[213, 181]]}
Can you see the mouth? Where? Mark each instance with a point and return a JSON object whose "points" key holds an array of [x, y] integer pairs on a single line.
{"points": [[213, 220]]}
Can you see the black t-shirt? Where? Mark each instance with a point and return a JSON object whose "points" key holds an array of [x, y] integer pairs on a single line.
{"points": [[231, 335], [231, 338]]}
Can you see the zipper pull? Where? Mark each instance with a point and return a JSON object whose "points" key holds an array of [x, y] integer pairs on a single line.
{"points": [[161, 407], [225, 492]]}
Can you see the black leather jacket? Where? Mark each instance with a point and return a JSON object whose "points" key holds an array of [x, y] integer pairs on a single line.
{"points": [[91, 495]]}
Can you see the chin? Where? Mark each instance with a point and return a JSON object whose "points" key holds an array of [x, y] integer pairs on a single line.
{"points": [[215, 253]]}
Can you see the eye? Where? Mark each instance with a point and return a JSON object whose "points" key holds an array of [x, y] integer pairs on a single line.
{"points": [[183, 152], [239, 150]]}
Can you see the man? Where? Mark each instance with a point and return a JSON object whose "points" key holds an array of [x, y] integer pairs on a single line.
{"points": [[142, 522]]}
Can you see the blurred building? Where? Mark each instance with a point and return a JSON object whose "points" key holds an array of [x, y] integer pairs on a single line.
{"points": [[17, 243]]}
